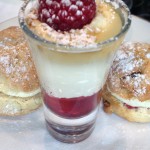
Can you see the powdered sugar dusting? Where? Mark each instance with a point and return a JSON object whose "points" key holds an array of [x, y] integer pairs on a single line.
{"points": [[9, 63], [148, 55], [48, 2], [130, 69], [79, 3], [15, 59], [66, 2], [127, 59]]}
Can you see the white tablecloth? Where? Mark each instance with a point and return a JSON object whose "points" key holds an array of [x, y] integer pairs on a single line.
{"points": [[9, 9]]}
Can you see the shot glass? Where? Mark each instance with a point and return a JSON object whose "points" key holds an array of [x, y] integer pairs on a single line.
{"points": [[72, 77]]}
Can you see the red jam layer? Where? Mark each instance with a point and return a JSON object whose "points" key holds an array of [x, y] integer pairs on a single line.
{"points": [[130, 107], [72, 107]]}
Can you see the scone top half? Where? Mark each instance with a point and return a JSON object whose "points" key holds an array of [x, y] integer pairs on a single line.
{"points": [[129, 77], [17, 72]]}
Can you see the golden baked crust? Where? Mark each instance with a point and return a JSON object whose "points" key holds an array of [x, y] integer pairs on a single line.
{"points": [[17, 71], [129, 76], [112, 105], [14, 106]]}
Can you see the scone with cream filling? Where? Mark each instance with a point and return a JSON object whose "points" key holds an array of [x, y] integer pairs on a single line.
{"points": [[19, 84], [127, 89]]}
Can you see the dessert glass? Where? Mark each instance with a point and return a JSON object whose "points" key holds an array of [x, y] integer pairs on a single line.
{"points": [[72, 77]]}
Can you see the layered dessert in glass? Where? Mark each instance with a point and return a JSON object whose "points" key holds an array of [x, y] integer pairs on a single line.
{"points": [[73, 45]]}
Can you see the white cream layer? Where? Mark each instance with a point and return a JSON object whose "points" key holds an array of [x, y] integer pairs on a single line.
{"points": [[20, 93], [51, 117], [132, 102]]}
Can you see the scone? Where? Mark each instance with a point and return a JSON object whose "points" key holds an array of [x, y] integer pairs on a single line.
{"points": [[19, 85], [127, 89]]}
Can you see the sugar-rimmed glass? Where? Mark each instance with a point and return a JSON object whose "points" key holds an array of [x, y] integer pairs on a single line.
{"points": [[71, 78]]}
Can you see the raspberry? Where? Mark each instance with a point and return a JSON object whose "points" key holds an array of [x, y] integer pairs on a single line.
{"points": [[66, 14]]}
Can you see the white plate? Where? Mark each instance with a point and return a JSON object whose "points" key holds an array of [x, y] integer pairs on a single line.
{"points": [[9, 9], [111, 133]]}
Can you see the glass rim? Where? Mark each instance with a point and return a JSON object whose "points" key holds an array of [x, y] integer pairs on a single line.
{"points": [[93, 47]]}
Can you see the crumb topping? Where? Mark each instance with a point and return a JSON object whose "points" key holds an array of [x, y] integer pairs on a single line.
{"points": [[78, 37]]}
